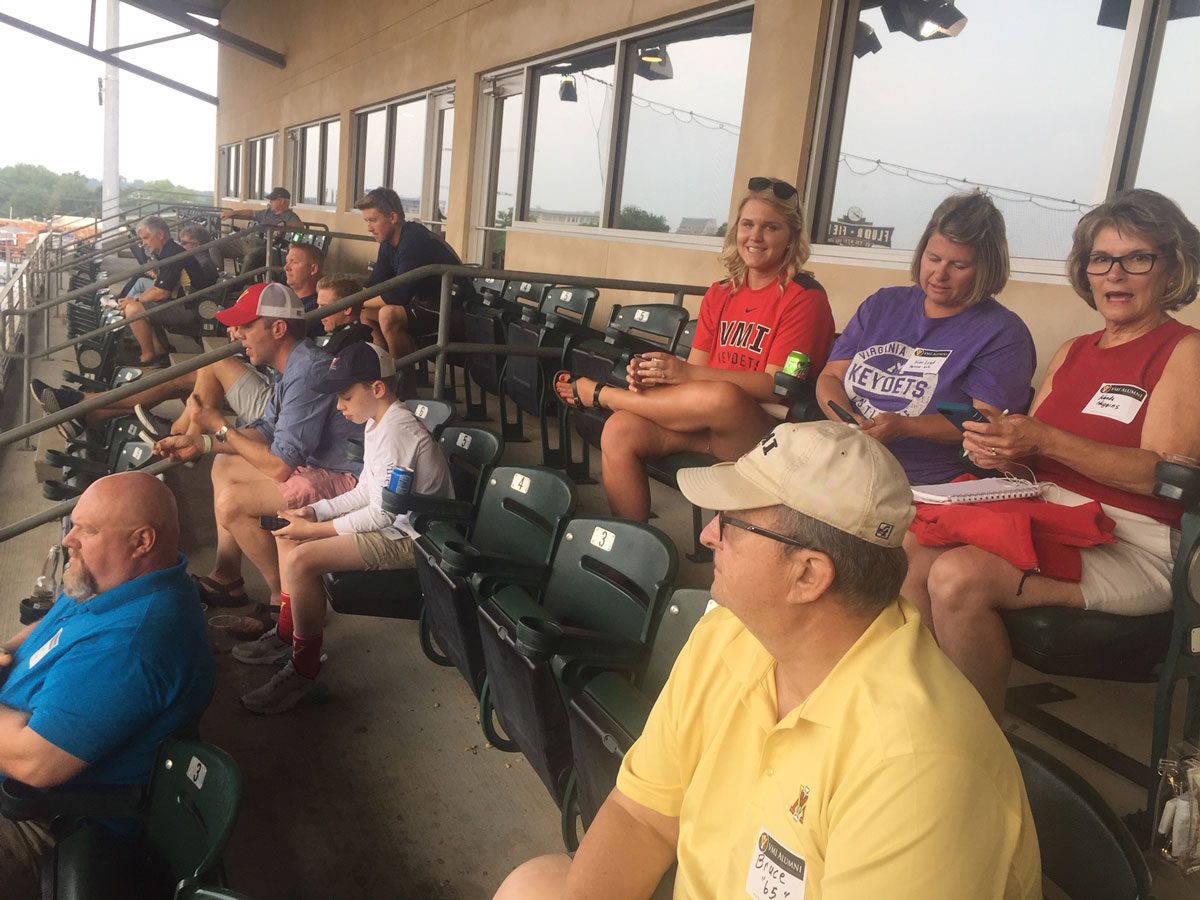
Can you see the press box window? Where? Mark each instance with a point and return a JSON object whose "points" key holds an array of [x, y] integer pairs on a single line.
{"points": [[260, 167], [314, 154], [230, 159]]}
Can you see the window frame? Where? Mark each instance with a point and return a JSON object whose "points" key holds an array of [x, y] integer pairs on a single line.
{"points": [[1128, 115], [437, 99], [296, 160], [492, 81], [256, 147], [227, 171]]}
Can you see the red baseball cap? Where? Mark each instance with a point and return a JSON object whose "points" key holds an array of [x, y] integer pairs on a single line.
{"points": [[265, 299]]}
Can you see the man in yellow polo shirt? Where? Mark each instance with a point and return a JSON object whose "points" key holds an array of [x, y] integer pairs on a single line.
{"points": [[812, 743]]}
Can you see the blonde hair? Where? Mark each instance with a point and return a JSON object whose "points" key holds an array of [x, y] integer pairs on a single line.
{"points": [[798, 247], [971, 219], [1156, 219]]}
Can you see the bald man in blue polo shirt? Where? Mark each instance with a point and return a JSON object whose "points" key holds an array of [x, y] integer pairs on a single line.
{"points": [[119, 662]]}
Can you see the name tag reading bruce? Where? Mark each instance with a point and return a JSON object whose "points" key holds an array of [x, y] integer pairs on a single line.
{"points": [[776, 873]]}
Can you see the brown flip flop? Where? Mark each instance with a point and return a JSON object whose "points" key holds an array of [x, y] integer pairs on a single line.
{"points": [[220, 595]]}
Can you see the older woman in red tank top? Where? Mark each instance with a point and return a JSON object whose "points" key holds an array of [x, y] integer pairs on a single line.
{"points": [[1112, 405]]}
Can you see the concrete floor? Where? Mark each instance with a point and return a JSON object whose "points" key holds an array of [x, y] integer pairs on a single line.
{"points": [[387, 787]]}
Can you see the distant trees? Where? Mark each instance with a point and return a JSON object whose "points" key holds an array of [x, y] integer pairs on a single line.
{"points": [[31, 191], [637, 219]]}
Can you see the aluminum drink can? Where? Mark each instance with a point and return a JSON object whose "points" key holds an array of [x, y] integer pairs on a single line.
{"points": [[400, 479], [797, 364]]}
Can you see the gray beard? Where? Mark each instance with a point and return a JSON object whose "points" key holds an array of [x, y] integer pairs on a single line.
{"points": [[78, 583]]}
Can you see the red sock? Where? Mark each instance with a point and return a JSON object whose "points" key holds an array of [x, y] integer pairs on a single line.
{"points": [[306, 654], [283, 628]]}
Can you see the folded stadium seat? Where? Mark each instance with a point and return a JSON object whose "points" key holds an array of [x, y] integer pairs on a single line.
{"points": [[471, 453], [434, 414], [1090, 644], [521, 516], [486, 322], [608, 714], [187, 813], [78, 473], [123, 375], [1086, 850], [564, 317], [632, 329], [608, 586]]}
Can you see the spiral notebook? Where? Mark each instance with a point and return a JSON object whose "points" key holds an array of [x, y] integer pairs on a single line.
{"points": [[981, 490]]}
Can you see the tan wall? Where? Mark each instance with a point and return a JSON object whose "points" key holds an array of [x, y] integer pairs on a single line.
{"points": [[347, 55]]}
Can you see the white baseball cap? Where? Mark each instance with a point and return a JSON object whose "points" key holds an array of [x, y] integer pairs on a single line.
{"points": [[825, 470]]}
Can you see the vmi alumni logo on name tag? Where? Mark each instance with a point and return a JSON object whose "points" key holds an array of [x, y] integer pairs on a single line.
{"points": [[1117, 401], [44, 649], [776, 873]]}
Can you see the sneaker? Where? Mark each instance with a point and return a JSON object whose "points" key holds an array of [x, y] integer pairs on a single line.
{"points": [[54, 399], [154, 427], [268, 650], [71, 429], [286, 688]]}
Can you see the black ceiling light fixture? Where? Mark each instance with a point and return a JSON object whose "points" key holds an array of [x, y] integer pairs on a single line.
{"points": [[566, 89], [923, 20], [1115, 13], [654, 63], [865, 40]]}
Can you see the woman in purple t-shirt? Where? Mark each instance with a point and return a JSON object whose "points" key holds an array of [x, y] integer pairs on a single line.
{"points": [[943, 339]]}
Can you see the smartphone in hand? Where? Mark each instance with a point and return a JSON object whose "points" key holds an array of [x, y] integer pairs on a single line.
{"points": [[272, 523], [842, 414], [958, 413]]}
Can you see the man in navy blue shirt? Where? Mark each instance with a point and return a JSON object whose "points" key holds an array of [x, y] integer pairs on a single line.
{"points": [[120, 662], [291, 456], [403, 246]]}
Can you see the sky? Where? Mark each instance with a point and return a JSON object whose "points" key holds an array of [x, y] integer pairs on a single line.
{"points": [[164, 134]]}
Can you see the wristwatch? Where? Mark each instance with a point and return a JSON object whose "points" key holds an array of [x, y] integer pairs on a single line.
{"points": [[221, 433]]}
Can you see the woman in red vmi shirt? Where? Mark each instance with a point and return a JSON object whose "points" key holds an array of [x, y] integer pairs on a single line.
{"points": [[749, 323], [1112, 405]]}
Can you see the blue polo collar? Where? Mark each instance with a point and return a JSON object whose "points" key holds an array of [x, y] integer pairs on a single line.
{"points": [[142, 586]]}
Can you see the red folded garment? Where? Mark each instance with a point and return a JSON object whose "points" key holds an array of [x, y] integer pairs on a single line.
{"points": [[1030, 534]]}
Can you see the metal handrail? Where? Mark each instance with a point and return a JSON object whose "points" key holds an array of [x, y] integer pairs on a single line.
{"points": [[439, 350]]}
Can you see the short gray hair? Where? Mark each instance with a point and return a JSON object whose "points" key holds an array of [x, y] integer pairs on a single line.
{"points": [[197, 233], [154, 223], [867, 577]]}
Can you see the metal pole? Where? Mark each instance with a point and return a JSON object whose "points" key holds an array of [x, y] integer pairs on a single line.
{"points": [[439, 372], [111, 202]]}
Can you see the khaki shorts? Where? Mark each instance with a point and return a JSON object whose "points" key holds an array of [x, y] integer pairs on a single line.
{"points": [[1133, 576], [249, 395], [381, 553]]}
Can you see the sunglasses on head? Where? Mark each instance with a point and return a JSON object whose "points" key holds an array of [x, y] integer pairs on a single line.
{"points": [[386, 197], [780, 189]]}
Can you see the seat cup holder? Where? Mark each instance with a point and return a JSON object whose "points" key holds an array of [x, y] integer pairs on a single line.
{"points": [[458, 558], [536, 637]]}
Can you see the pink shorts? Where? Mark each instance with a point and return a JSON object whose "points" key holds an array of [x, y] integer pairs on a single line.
{"points": [[308, 485]]}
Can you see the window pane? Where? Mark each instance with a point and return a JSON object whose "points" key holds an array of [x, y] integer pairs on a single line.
{"points": [[312, 164], [684, 122], [1173, 130], [445, 153], [253, 156], [570, 145], [372, 136], [408, 155], [921, 116], [268, 166], [333, 137], [510, 111]]}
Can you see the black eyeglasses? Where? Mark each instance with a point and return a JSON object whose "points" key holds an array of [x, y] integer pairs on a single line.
{"points": [[1131, 263], [724, 519], [780, 189]]}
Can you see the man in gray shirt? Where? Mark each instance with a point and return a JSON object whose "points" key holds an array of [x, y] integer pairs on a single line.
{"points": [[252, 248]]}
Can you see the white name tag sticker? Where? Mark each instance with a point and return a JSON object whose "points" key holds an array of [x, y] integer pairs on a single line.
{"points": [[421, 411], [926, 362], [520, 483], [1117, 401], [603, 539], [464, 440], [196, 772], [776, 873], [45, 649], [641, 315]]}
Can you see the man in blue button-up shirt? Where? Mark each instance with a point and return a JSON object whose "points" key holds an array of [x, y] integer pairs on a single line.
{"points": [[292, 456], [120, 661]]}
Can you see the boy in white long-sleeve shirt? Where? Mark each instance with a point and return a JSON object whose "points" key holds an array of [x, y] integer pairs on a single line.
{"points": [[349, 532]]}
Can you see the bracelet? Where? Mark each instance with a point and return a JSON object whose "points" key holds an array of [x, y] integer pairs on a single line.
{"points": [[207, 442]]}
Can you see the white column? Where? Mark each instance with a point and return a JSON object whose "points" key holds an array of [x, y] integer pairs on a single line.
{"points": [[111, 203]]}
